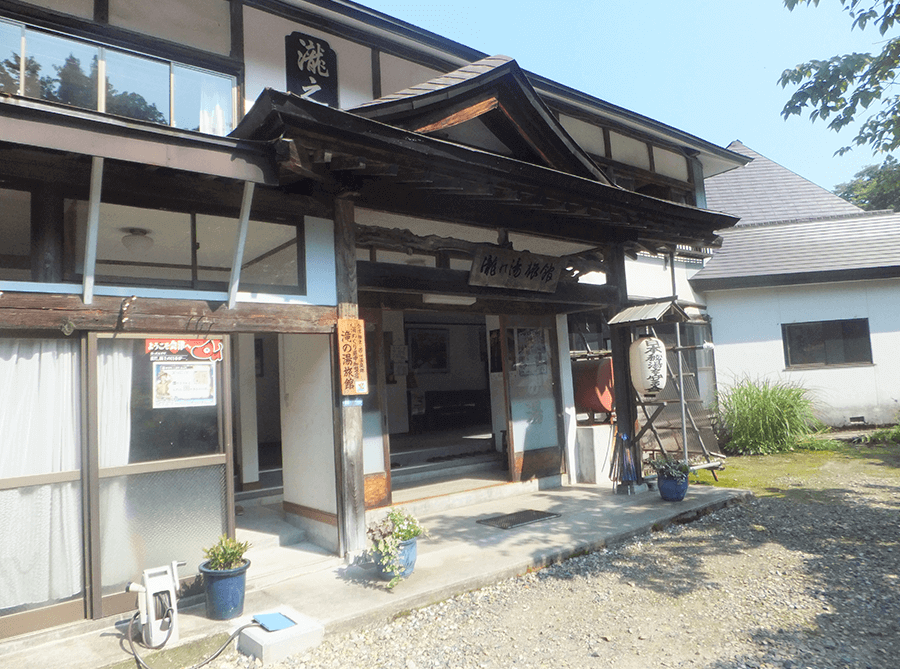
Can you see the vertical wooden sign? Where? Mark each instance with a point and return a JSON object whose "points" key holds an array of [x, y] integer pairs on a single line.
{"points": [[352, 356]]}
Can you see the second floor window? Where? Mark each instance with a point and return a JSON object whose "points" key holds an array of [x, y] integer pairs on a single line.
{"points": [[47, 66]]}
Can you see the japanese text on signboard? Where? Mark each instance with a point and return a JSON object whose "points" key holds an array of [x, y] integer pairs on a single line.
{"points": [[183, 371], [352, 356], [504, 268], [311, 68]]}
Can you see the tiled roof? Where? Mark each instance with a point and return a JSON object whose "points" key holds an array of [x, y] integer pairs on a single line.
{"points": [[457, 77], [810, 251], [763, 191]]}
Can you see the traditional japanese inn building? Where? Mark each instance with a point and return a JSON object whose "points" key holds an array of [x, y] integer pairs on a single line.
{"points": [[283, 245]]}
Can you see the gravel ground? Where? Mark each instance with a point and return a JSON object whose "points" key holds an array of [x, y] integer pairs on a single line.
{"points": [[803, 581]]}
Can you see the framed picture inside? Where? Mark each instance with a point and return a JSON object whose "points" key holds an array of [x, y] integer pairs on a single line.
{"points": [[428, 349]]}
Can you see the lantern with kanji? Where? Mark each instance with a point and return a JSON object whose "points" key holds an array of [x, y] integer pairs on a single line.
{"points": [[648, 365]]}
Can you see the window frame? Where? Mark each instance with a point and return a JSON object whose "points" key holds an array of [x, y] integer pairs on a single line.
{"points": [[790, 343], [102, 49]]}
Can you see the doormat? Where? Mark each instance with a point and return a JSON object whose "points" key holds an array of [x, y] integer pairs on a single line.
{"points": [[511, 520]]}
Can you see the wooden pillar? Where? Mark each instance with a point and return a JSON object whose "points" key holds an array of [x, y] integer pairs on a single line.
{"points": [[626, 407], [47, 225], [349, 442]]}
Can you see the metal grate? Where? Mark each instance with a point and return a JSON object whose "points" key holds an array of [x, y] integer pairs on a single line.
{"points": [[511, 520]]}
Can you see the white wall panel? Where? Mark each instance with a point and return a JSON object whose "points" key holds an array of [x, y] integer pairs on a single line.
{"points": [[588, 135], [202, 24], [629, 151], [670, 164], [265, 59], [747, 335], [397, 74]]}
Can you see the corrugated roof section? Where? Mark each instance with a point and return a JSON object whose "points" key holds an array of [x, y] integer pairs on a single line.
{"points": [[764, 191], [653, 312], [795, 252]]}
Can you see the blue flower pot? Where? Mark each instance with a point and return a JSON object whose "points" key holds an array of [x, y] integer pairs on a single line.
{"points": [[224, 591], [406, 560], [672, 490]]}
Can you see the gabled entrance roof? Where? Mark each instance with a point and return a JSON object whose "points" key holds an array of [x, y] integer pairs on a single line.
{"points": [[494, 93], [325, 152]]}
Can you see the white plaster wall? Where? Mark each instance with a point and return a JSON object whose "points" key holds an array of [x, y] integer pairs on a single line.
{"points": [[398, 74], [746, 328], [629, 150], [670, 164], [307, 423], [651, 276], [372, 420], [567, 388], [203, 24], [81, 8], [245, 356], [264, 59], [588, 135], [321, 277]]}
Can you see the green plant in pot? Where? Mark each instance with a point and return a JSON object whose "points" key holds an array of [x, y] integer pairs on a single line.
{"points": [[225, 576], [671, 478], [395, 545]]}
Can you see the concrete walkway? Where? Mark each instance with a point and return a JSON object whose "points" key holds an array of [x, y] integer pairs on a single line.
{"points": [[459, 555]]}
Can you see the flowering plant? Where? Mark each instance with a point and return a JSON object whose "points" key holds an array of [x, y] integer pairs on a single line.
{"points": [[386, 535], [671, 469]]}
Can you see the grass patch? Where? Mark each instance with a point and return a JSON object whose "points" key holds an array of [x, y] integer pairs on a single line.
{"points": [[763, 417], [808, 476], [887, 435]]}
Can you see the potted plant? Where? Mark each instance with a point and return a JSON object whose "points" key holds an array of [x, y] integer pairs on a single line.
{"points": [[225, 577], [671, 478], [395, 545]]}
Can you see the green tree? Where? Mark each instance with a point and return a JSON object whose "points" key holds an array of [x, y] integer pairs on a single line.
{"points": [[843, 86], [874, 187], [72, 86]]}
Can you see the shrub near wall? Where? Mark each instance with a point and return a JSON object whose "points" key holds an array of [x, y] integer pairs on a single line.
{"points": [[760, 417]]}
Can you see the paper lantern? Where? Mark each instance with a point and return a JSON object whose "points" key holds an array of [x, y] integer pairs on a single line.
{"points": [[648, 365]]}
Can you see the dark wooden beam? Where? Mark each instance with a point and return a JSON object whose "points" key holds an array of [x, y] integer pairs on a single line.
{"points": [[36, 311], [349, 446], [409, 279]]}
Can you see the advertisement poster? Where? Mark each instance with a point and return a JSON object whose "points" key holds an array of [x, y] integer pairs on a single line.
{"points": [[184, 371]]}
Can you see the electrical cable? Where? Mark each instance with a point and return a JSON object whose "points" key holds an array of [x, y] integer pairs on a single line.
{"points": [[143, 665]]}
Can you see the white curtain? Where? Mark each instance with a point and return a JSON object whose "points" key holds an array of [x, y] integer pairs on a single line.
{"points": [[114, 365], [40, 433]]}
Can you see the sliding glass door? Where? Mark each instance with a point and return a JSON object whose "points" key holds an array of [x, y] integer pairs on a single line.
{"points": [[114, 458], [41, 540], [161, 447]]}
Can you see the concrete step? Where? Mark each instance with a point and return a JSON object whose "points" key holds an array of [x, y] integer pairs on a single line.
{"points": [[404, 477], [442, 495], [264, 526], [271, 565], [413, 456]]}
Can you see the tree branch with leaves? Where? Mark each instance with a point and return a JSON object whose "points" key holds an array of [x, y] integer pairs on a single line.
{"points": [[842, 87]]}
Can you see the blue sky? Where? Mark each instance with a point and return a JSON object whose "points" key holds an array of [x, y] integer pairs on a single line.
{"points": [[708, 67]]}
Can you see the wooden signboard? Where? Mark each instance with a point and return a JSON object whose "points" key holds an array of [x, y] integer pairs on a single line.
{"points": [[311, 68], [503, 268], [352, 356]]}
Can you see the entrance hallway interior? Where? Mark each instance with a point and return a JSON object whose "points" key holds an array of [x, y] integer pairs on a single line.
{"points": [[423, 465]]}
